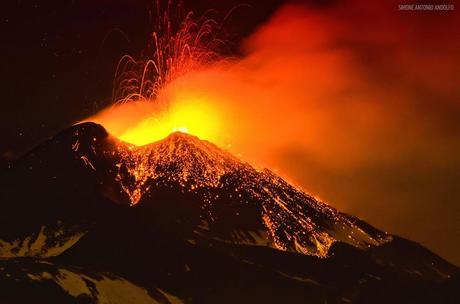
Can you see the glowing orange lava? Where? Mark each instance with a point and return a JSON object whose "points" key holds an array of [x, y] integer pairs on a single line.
{"points": [[144, 122], [148, 106]]}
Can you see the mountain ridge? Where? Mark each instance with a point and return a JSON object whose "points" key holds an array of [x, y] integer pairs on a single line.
{"points": [[203, 244], [293, 219]]}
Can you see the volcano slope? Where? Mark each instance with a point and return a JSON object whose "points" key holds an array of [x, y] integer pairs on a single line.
{"points": [[86, 218]]}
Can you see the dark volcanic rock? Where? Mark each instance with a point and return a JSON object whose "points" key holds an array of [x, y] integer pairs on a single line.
{"points": [[86, 218]]}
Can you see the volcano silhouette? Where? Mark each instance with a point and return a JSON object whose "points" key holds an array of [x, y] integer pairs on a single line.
{"points": [[86, 218]]}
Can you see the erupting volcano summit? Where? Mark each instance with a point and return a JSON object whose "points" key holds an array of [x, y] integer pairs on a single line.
{"points": [[180, 220], [255, 207]]}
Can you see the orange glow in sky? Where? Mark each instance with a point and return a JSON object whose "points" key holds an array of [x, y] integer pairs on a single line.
{"points": [[189, 116], [143, 122]]}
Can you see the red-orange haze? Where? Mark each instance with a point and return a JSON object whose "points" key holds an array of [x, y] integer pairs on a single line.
{"points": [[356, 102]]}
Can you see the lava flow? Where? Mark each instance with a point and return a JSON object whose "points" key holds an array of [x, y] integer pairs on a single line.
{"points": [[224, 198]]}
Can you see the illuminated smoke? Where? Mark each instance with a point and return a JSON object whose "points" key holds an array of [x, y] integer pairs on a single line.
{"points": [[356, 102]]}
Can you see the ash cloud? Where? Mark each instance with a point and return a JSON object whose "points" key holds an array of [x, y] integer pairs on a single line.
{"points": [[356, 102]]}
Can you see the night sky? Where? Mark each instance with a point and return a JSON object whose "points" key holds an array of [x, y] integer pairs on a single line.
{"points": [[58, 60]]}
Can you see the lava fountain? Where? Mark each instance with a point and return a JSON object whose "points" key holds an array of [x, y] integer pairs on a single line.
{"points": [[147, 103]]}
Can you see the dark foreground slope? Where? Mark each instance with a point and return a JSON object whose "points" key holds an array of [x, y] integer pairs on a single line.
{"points": [[85, 218]]}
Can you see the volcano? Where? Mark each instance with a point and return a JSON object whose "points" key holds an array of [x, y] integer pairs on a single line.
{"points": [[88, 218]]}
